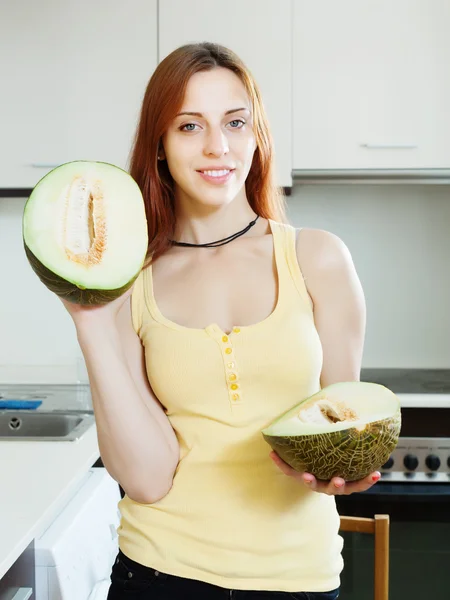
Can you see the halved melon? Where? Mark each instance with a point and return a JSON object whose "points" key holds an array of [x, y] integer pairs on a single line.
{"points": [[85, 231], [345, 430]]}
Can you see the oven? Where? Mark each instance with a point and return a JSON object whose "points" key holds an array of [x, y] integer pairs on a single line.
{"points": [[414, 490]]}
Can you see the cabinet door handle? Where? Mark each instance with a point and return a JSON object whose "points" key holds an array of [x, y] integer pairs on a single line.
{"points": [[23, 594], [370, 146]]}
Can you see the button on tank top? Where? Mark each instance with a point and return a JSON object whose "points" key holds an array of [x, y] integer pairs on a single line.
{"points": [[232, 518]]}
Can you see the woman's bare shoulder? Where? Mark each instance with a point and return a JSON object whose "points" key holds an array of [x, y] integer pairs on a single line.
{"points": [[320, 249], [325, 261]]}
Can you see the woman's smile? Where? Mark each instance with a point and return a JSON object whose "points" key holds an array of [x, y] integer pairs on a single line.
{"points": [[217, 176]]}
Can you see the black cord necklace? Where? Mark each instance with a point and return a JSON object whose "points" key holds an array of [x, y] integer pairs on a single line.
{"points": [[221, 242]]}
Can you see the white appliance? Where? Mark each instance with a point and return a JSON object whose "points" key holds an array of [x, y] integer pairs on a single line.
{"points": [[74, 556]]}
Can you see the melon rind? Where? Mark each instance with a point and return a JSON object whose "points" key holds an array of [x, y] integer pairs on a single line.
{"points": [[351, 451]]}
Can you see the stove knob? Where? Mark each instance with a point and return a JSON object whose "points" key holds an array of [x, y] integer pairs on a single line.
{"points": [[433, 462], [410, 461], [389, 463]]}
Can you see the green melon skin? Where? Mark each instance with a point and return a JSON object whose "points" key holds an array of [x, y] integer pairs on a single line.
{"points": [[341, 451], [71, 292], [117, 228]]}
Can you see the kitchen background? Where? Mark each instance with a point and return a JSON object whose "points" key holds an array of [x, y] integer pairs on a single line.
{"points": [[357, 94]]}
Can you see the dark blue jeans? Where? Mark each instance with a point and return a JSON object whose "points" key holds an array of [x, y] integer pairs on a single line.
{"points": [[131, 580]]}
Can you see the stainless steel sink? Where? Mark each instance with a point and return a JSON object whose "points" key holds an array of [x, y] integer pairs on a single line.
{"points": [[55, 426]]}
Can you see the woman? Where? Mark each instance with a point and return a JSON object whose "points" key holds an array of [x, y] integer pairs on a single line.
{"points": [[236, 317]]}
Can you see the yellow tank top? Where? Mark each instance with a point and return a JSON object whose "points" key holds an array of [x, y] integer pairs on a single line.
{"points": [[232, 518]]}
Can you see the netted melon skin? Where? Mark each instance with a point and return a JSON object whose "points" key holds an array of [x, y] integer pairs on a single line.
{"points": [[69, 291], [350, 454]]}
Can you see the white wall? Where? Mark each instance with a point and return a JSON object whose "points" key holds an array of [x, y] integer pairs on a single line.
{"points": [[399, 239], [398, 236], [35, 329]]}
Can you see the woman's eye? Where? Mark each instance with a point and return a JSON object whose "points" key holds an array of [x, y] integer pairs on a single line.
{"points": [[188, 127], [237, 123]]}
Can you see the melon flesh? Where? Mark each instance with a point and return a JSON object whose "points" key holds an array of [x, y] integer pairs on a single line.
{"points": [[345, 430], [85, 231]]}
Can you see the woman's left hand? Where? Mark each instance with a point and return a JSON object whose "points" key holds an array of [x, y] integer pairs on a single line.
{"points": [[335, 487]]}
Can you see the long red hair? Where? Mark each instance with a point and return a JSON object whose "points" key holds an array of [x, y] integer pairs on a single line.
{"points": [[162, 101]]}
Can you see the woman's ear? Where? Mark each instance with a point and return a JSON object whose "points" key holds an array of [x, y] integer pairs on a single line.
{"points": [[161, 153]]}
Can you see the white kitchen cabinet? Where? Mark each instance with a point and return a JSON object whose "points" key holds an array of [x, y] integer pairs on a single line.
{"points": [[259, 31], [72, 83], [371, 84]]}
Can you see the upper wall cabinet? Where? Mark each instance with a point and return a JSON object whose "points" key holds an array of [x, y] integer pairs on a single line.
{"points": [[73, 78], [259, 31], [371, 84]]}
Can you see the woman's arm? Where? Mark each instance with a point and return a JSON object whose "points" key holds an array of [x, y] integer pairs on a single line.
{"points": [[137, 443], [338, 300]]}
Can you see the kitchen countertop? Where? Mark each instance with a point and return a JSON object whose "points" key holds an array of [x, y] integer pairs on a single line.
{"points": [[410, 381], [37, 479]]}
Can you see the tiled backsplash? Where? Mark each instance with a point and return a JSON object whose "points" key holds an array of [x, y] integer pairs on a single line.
{"points": [[398, 237]]}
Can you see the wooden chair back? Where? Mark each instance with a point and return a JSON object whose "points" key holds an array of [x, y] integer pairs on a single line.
{"points": [[379, 528]]}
